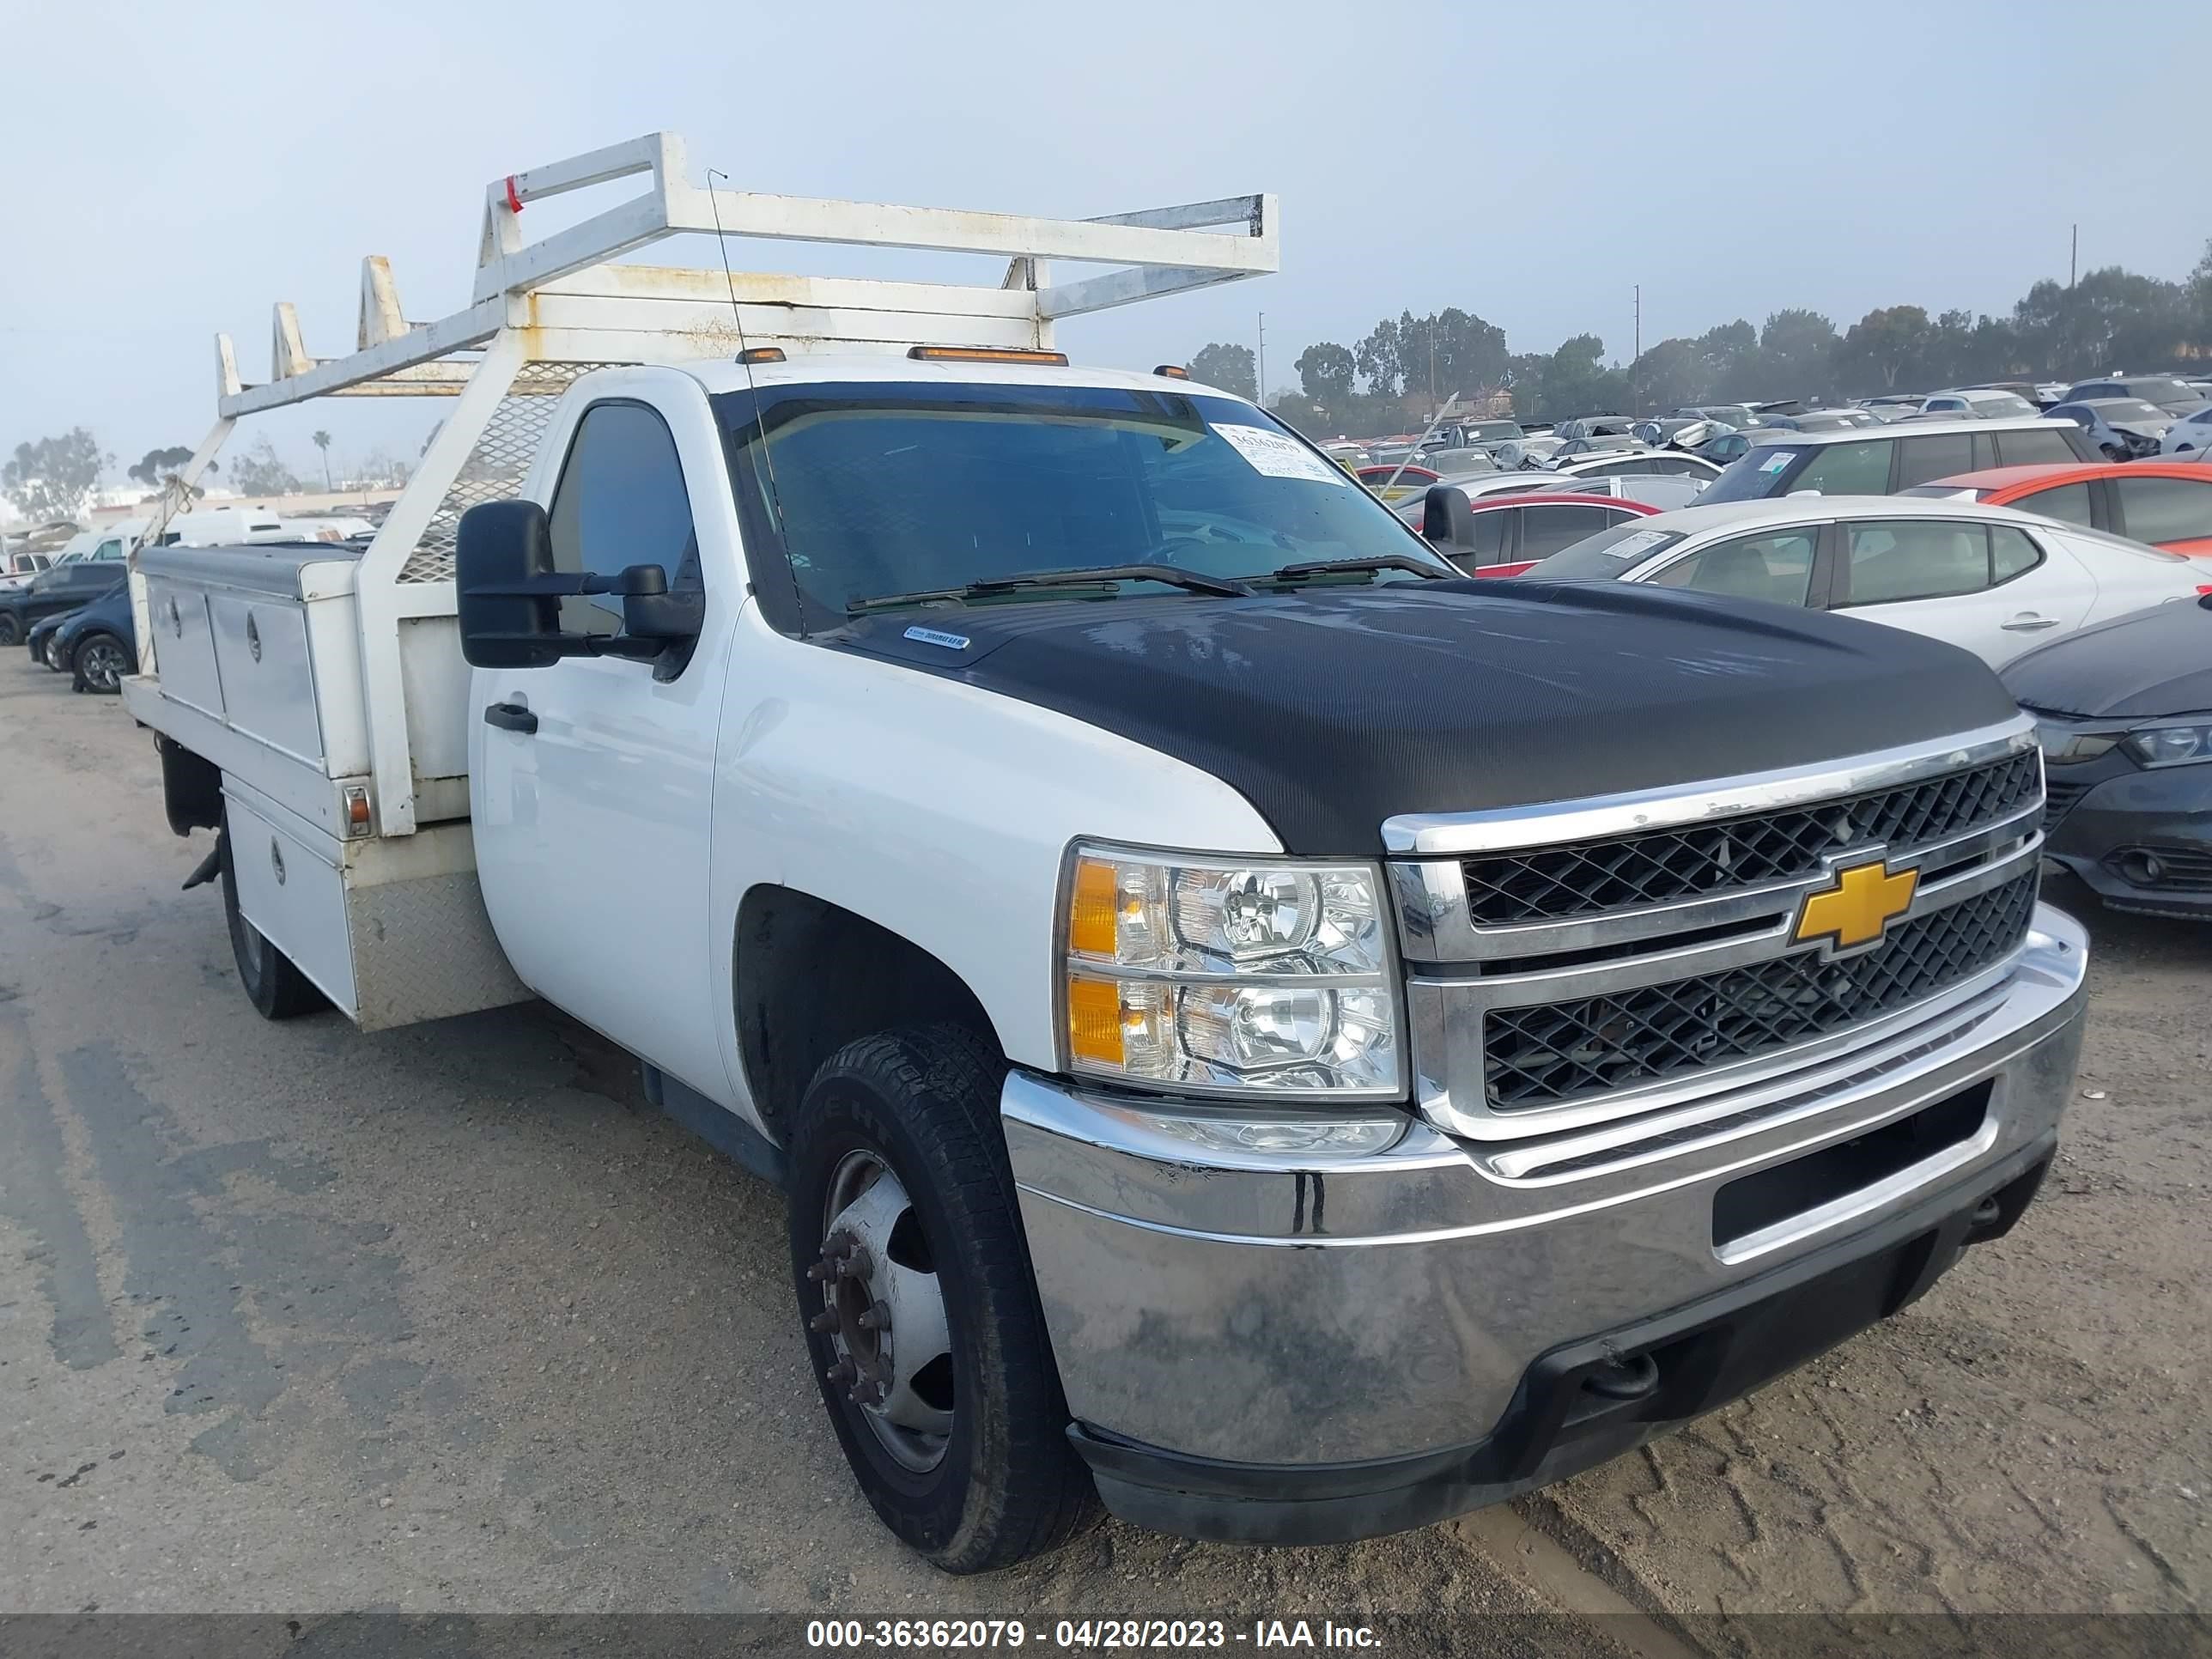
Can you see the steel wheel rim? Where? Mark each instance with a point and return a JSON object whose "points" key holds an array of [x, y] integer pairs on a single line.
{"points": [[882, 1311], [103, 665]]}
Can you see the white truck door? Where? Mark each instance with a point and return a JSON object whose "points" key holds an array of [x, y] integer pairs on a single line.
{"points": [[592, 779]]}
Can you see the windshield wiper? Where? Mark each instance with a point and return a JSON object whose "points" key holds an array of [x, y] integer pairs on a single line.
{"points": [[1092, 576], [1367, 565]]}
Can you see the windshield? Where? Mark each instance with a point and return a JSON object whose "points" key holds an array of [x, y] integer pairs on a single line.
{"points": [[2130, 408], [1487, 432], [1609, 554], [1751, 476], [2000, 405], [896, 488], [2164, 392]]}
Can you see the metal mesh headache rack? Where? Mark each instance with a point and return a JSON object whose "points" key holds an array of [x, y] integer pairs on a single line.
{"points": [[544, 312]]}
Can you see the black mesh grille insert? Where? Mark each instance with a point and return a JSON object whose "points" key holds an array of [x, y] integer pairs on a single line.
{"points": [[2058, 798], [1659, 865], [1562, 1051]]}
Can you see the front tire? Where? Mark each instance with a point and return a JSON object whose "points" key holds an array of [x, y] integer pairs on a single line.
{"points": [[273, 984], [99, 663], [11, 630], [903, 1219]]}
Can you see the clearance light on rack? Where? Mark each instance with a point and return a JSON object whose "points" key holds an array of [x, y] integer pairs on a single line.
{"points": [[987, 355], [1173, 370], [761, 355]]}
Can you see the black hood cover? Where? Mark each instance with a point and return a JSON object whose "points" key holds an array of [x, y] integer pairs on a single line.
{"points": [[1331, 710], [2154, 662]]}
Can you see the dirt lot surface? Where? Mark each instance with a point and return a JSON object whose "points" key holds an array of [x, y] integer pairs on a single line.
{"points": [[297, 1320]]}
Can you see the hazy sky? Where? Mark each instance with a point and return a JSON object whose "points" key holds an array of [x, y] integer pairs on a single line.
{"points": [[166, 173]]}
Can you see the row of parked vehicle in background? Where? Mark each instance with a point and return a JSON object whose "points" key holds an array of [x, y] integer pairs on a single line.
{"points": [[2057, 532], [72, 606]]}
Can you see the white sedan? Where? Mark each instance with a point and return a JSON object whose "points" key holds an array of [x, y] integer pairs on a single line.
{"points": [[1992, 580], [2190, 435]]}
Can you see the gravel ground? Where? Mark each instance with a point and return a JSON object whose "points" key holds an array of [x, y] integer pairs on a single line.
{"points": [[446, 1318]]}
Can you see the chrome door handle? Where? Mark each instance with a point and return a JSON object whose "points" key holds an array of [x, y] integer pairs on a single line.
{"points": [[2028, 623]]}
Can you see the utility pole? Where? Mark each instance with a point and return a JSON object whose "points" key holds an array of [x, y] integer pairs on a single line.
{"points": [[2073, 258], [1634, 395], [1262, 376]]}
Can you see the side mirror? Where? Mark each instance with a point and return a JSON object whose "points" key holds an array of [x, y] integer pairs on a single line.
{"points": [[509, 596], [1446, 517]]}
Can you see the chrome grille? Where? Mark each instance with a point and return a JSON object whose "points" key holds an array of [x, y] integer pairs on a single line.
{"points": [[1553, 883], [1556, 1053]]}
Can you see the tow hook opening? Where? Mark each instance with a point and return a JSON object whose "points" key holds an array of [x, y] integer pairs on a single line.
{"points": [[1631, 1377]]}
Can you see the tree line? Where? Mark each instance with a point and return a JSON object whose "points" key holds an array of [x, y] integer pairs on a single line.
{"points": [[1402, 368]]}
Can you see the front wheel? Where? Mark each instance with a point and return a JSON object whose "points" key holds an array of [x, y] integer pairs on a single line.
{"points": [[11, 629], [922, 1319], [274, 985], [99, 662]]}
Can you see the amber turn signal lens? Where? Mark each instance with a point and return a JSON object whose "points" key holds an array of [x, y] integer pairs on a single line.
{"points": [[1091, 910], [1094, 1020]]}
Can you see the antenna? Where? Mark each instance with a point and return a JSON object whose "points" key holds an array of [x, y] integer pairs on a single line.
{"points": [[745, 362]]}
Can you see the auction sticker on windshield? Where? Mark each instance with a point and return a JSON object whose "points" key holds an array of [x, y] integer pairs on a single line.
{"points": [[1278, 456], [1643, 541], [1775, 462]]}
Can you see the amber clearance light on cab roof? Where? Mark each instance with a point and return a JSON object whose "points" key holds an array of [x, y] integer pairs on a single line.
{"points": [[987, 355]]}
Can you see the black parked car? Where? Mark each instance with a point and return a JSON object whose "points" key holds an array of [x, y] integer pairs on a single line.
{"points": [[64, 587], [2124, 712], [97, 644], [42, 631]]}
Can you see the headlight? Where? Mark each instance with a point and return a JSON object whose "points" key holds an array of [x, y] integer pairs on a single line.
{"points": [[1229, 975], [2171, 745]]}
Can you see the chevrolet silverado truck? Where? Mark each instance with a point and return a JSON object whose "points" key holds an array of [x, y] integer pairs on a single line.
{"points": [[1251, 1027]]}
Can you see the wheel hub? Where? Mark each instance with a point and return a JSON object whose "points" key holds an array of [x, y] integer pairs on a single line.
{"points": [[882, 1311]]}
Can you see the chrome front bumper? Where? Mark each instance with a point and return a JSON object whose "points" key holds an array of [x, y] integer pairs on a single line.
{"points": [[1327, 1307]]}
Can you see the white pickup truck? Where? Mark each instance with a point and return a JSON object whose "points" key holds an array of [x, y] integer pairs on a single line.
{"points": [[1250, 1027]]}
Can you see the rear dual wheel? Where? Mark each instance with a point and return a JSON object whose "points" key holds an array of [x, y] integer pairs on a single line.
{"points": [[922, 1320], [274, 985]]}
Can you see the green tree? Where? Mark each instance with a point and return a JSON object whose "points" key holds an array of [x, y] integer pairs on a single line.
{"points": [[157, 465], [1670, 374], [1797, 350], [1379, 358], [258, 472], [1325, 371], [1229, 366], [1576, 380], [53, 477], [322, 441], [1875, 355]]}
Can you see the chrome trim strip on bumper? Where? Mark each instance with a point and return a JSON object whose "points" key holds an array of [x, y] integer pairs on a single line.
{"points": [[1431, 834]]}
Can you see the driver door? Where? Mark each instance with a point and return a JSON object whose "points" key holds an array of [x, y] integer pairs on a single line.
{"points": [[591, 778]]}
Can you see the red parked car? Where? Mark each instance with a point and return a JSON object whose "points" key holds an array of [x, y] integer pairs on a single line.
{"points": [[2165, 504]]}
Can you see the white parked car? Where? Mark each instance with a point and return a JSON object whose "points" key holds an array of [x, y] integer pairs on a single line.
{"points": [[1987, 578], [2190, 436], [1978, 404]]}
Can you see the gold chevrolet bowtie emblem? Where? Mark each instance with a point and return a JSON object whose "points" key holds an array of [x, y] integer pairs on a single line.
{"points": [[1864, 900]]}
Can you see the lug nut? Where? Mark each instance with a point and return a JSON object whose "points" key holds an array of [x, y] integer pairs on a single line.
{"points": [[876, 1318], [855, 1264], [866, 1393], [842, 1372], [824, 1321], [818, 1271]]}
